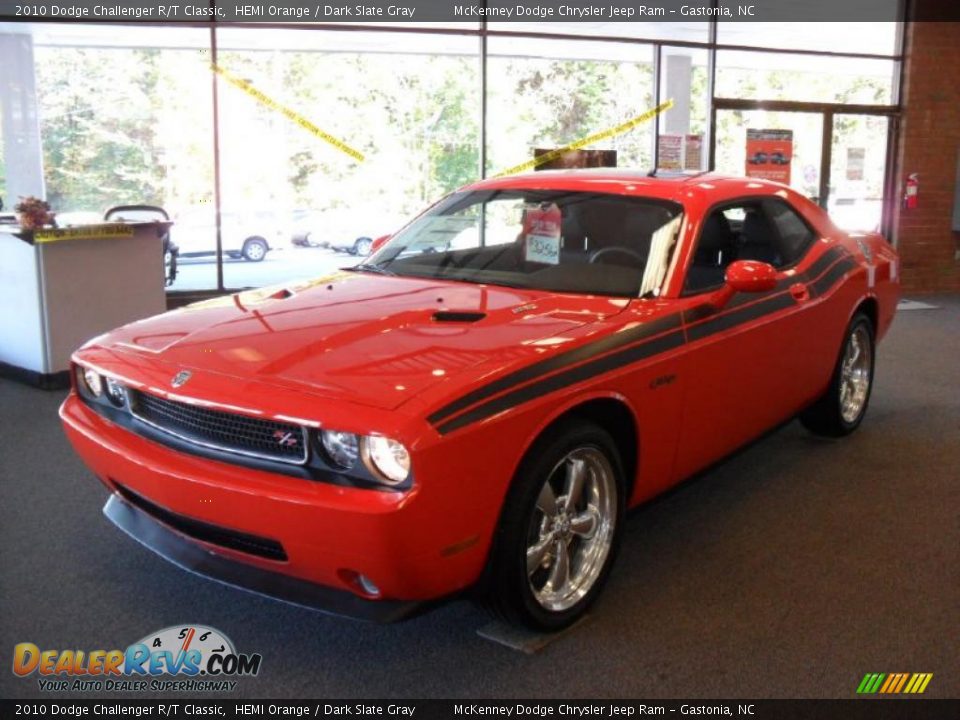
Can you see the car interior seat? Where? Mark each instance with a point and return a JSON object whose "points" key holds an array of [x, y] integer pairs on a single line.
{"points": [[758, 239], [715, 250]]}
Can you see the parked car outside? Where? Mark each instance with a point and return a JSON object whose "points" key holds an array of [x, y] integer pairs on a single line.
{"points": [[350, 230], [244, 234]]}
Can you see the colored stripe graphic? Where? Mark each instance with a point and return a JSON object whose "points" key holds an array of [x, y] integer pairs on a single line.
{"points": [[903, 681], [894, 683]]}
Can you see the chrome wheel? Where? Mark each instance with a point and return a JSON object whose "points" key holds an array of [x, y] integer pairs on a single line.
{"points": [[572, 528], [855, 374]]}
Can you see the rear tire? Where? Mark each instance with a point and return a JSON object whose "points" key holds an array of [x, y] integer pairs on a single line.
{"points": [[559, 531], [840, 410]]}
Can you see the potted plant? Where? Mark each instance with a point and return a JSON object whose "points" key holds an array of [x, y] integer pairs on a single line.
{"points": [[34, 213]]}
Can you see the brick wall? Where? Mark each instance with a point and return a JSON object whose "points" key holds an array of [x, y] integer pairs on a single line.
{"points": [[929, 143]]}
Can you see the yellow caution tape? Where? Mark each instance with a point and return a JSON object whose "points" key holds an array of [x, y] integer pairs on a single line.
{"points": [[115, 230], [287, 112], [589, 139]]}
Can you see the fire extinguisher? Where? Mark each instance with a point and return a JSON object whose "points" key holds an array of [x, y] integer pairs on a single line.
{"points": [[910, 192]]}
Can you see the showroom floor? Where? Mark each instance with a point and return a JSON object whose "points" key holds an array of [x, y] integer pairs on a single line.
{"points": [[791, 570]]}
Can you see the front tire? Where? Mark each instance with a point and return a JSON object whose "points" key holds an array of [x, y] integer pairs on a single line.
{"points": [[840, 410], [362, 246], [254, 249], [559, 530]]}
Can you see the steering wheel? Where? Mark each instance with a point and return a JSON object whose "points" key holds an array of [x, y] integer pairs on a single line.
{"points": [[614, 249]]}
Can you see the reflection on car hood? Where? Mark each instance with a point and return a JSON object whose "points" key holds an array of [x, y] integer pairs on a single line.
{"points": [[369, 339]]}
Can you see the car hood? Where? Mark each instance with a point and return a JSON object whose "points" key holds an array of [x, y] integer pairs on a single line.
{"points": [[358, 337]]}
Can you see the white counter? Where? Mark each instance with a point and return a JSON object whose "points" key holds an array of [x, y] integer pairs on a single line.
{"points": [[69, 286]]}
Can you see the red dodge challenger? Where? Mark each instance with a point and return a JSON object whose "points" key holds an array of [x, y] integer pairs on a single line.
{"points": [[478, 403]]}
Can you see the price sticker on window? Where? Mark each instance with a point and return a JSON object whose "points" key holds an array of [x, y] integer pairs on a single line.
{"points": [[543, 249], [541, 227]]}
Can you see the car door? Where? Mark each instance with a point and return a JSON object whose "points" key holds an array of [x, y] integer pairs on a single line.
{"points": [[744, 363]]}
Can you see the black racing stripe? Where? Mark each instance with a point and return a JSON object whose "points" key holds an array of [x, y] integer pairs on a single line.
{"points": [[829, 279], [811, 273], [774, 300], [605, 364], [698, 313], [558, 362], [736, 314], [741, 315], [825, 261]]}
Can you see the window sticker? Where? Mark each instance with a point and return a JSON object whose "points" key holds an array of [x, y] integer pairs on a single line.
{"points": [[541, 229], [543, 249]]}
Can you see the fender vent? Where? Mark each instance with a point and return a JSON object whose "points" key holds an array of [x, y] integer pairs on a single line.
{"points": [[458, 317]]}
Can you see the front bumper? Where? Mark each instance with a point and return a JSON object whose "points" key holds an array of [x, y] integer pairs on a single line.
{"points": [[327, 534], [188, 555]]}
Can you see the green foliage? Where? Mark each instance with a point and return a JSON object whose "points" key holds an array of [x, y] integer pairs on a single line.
{"points": [[135, 125]]}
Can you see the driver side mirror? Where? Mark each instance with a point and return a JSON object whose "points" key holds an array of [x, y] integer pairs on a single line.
{"points": [[751, 276]]}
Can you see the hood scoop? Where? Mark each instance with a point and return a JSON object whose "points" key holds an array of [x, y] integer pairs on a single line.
{"points": [[458, 316]]}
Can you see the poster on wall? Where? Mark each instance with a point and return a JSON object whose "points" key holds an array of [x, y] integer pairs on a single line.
{"points": [[769, 154], [855, 159], [670, 152]]}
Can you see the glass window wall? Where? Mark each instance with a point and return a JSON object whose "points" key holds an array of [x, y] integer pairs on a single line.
{"points": [[328, 138]]}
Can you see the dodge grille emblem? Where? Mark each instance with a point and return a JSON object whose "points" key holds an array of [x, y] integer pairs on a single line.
{"points": [[181, 378]]}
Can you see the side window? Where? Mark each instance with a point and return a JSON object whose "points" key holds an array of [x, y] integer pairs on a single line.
{"points": [[758, 238], [767, 230], [716, 247], [795, 234]]}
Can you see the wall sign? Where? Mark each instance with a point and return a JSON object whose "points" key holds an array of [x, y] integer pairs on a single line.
{"points": [[769, 154]]}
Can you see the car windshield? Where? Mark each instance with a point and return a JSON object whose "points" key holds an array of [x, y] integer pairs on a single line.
{"points": [[556, 240]]}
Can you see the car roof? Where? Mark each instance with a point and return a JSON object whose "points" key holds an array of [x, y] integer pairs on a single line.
{"points": [[626, 181]]}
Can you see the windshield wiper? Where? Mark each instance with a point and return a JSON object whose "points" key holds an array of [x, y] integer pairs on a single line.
{"points": [[365, 267]]}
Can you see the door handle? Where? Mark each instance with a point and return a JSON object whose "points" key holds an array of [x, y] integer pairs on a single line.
{"points": [[800, 292]]}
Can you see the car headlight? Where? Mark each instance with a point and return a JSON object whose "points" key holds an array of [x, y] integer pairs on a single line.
{"points": [[388, 458], [91, 378], [342, 448]]}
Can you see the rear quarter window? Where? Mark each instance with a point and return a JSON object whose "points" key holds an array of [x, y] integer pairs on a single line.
{"points": [[795, 234]]}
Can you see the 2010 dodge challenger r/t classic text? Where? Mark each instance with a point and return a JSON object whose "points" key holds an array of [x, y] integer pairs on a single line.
{"points": [[478, 403]]}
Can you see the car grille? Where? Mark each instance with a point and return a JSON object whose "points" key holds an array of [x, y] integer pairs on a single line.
{"points": [[229, 432]]}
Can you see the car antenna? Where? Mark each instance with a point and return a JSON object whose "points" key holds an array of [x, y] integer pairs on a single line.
{"points": [[652, 173]]}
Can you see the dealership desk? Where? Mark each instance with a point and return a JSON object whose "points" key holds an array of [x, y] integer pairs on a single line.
{"points": [[59, 288]]}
